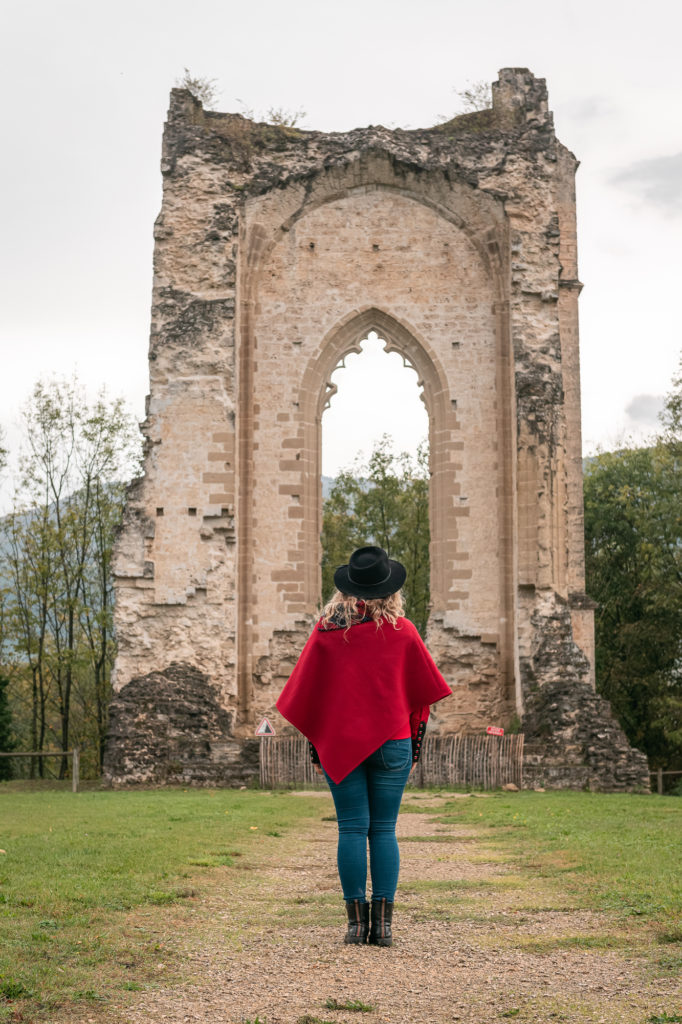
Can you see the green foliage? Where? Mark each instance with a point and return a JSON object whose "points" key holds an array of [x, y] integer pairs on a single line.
{"points": [[633, 533], [55, 564], [11, 989], [671, 417], [514, 725], [353, 1005], [7, 741], [384, 502]]}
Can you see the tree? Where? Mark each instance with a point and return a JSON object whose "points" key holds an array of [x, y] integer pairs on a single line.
{"points": [[27, 568], [671, 417], [384, 502], [413, 535], [57, 554], [633, 531], [7, 742]]}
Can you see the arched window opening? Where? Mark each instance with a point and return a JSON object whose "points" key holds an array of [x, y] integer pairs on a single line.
{"points": [[375, 468]]}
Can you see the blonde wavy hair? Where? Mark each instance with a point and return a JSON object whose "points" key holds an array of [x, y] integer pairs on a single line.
{"points": [[348, 609]]}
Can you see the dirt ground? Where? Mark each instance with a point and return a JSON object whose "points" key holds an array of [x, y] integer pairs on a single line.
{"points": [[473, 942]]}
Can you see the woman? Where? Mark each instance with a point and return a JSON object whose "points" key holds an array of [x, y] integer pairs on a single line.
{"points": [[360, 693]]}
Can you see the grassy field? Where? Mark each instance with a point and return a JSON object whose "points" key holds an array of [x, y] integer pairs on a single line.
{"points": [[87, 880], [75, 867], [617, 852]]}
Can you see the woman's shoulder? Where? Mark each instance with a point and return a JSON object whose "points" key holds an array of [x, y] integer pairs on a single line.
{"points": [[407, 628]]}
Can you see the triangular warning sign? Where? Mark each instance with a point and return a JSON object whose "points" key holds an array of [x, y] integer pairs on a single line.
{"points": [[265, 729]]}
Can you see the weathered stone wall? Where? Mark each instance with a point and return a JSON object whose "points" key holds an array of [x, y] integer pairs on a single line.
{"points": [[170, 728], [277, 251], [571, 736]]}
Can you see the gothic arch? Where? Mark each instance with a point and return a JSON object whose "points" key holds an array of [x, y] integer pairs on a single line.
{"points": [[483, 223], [316, 390]]}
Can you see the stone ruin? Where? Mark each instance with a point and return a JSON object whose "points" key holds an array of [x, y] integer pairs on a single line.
{"points": [[277, 251]]}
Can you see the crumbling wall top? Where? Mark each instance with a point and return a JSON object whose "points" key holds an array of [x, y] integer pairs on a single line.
{"points": [[266, 156]]}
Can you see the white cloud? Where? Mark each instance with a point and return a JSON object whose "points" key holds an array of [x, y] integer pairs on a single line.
{"points": [[657, 181], [643, 410]]}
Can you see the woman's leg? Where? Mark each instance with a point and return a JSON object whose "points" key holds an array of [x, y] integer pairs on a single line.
{"points": [[352, 815], [388, 770]]}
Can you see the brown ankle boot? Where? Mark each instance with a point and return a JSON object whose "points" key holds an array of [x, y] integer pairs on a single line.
{"points": [[382, 918], [358, 921]]}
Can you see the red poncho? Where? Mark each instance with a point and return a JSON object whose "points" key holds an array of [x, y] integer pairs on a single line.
{"points": [[351, 690]]}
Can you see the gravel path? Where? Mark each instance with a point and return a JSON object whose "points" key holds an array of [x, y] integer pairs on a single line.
{"points": [[468, 946]]}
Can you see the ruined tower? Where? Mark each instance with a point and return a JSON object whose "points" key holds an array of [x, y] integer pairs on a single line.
{"points": [[277, 251]]}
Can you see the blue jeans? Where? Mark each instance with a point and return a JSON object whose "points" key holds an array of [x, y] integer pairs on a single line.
{"points": [[367, 803]]}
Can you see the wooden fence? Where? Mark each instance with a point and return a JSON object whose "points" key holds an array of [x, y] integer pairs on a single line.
{"points": [[75, 754], [659, 773], [285, 761], [482, 762]]}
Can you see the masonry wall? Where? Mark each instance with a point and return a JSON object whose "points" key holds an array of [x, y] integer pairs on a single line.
{"points": [[378, 250], [277, 251]]}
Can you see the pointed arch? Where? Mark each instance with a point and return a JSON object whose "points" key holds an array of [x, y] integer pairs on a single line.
{"points": [[315, 393]]}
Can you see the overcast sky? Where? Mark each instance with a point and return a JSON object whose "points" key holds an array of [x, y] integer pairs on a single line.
{"points": [[85, 97]]}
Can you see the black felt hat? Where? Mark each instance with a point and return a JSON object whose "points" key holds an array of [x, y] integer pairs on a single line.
{"points": [[370, 573]]}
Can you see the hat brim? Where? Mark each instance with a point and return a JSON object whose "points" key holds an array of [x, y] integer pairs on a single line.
{"points": [[398, 574]]}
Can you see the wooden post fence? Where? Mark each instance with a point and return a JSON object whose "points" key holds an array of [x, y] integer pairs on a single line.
{"points": [[659, 773], [483, 762], [75, 754]]}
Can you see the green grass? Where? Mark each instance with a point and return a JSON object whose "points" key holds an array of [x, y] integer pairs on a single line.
{"points": [[354, 1005], [548, 945], [437, 839], [612, 851], [95, 887], [85, 878]]}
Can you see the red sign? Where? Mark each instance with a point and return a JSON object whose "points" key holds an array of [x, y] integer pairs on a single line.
{"points": [[494, 730]]}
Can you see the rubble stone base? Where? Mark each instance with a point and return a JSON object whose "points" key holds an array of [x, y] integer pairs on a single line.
{"points": [[168, 728], [574, 742], [572, 738]]}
